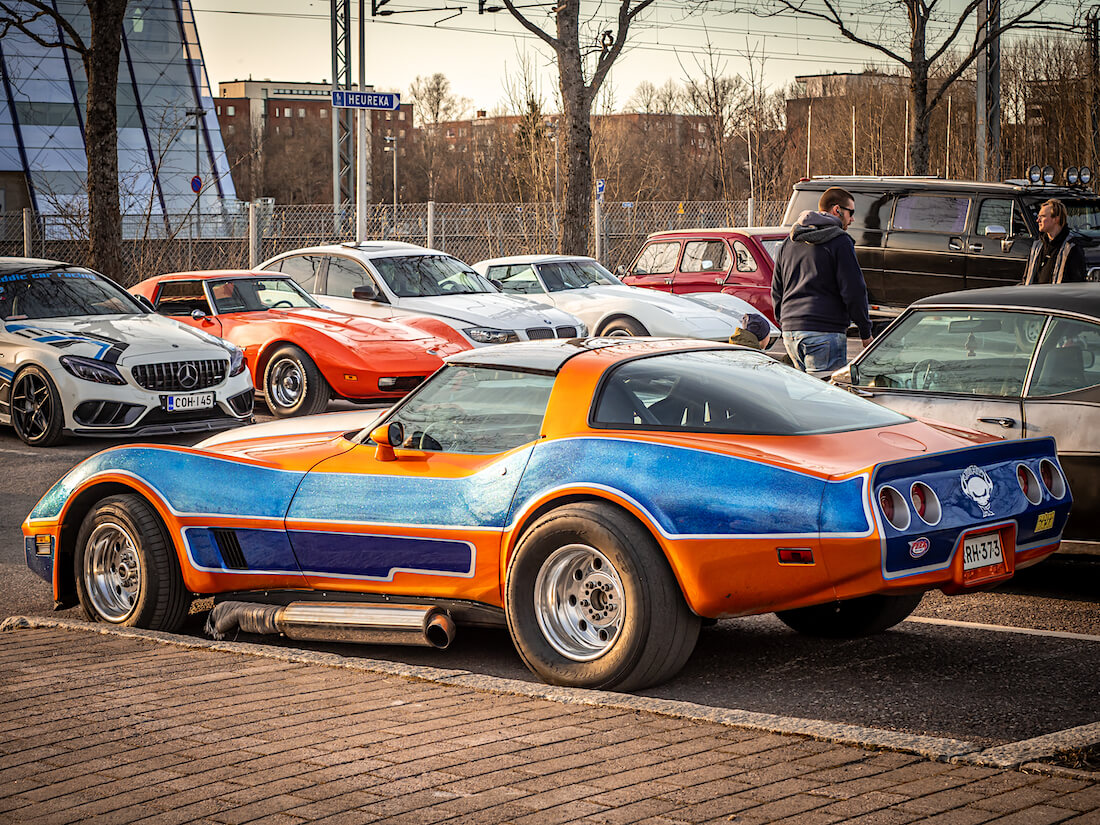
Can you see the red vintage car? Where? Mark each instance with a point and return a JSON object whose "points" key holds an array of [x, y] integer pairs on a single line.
{"points": [[300, 353], [736, 261]]}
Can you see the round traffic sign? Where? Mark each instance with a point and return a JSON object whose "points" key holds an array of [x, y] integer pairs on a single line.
{"points": [[196, 184]]}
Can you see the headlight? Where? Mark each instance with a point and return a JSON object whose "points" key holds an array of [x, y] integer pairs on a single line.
{"points": [[91, 370], [236, 361], [488, 335]]}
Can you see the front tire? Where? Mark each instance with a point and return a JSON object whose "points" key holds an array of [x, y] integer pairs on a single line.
{"points": [[126, 569], [851, 618], [591, 602], [624, 328], [36, 411], [293, 385]]}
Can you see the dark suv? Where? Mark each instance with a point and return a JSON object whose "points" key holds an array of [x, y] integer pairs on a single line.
{"points": [[917, 237]]}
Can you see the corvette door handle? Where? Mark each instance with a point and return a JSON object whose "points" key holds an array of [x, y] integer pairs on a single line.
{"points": [[1007, 423]]}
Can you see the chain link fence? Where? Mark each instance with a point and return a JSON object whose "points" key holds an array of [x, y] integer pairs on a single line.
{"points": [[469, 231]]}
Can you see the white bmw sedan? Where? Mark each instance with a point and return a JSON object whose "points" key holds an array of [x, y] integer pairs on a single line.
{"points": [[80, 355], [582, 287], [389, 279]]}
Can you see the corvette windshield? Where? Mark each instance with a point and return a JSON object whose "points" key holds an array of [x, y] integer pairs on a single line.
{"points": [[418, 276], [562, 275], [62, 294], [258, 294]]}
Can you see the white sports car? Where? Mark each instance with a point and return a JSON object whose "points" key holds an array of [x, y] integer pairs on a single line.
{"points": [[389, 279], [581, 286], [79, 354]]}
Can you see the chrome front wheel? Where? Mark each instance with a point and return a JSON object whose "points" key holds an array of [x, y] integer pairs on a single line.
{"points": [[112, 572], [579, 602]]}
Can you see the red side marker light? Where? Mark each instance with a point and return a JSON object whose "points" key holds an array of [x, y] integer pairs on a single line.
{"points": [[796, 555]]}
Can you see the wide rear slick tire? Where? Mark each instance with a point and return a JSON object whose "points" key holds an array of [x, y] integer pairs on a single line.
{"points": [[293, 385], [851, 618], [591, 602], [126, 568]]}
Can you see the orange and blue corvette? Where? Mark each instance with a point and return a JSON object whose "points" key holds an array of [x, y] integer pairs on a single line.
{"points": [[599, 497], [300, 353]]}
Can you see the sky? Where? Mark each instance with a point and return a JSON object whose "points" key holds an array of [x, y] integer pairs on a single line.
{"points": [[481, 55]]}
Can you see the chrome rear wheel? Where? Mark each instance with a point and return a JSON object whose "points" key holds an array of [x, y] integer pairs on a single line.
{"points": [[579, 602]]}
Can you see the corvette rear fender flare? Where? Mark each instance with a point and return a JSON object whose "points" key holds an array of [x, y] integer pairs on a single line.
{"points": [[537, 507], [80, 503]]}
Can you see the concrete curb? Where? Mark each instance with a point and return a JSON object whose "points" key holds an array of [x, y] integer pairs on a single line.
{"points": [[1022, 755]]}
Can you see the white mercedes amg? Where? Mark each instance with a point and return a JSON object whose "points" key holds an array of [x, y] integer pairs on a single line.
{"points": [[80, 355]]}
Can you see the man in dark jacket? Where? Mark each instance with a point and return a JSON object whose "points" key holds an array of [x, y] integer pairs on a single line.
{"points": [[1055, 258], [818, 287]]}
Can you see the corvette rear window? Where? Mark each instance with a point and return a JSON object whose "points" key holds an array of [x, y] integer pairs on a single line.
{"points": [[728, 391]]}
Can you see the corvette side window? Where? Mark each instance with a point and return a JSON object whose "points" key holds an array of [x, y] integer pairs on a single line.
{"points": [[480, 410], [181, 298]]}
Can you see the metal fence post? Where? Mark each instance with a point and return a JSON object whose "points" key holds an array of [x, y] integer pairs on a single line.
{"points": [[28, 236], [253, 235], [431, 225], [752, 216]]}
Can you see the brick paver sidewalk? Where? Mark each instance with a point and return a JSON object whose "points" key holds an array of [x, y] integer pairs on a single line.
{"points": [[121, 729]]}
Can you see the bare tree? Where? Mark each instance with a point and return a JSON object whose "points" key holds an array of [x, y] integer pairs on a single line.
{"points": [[583, 64], [934, 34], [100, 55], [434, 103]]}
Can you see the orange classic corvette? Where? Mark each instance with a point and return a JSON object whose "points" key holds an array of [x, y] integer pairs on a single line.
{"points": [[299, 352], [600, 497]]}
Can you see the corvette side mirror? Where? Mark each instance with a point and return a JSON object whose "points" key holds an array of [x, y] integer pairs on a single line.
{"points": [[387, 437]]}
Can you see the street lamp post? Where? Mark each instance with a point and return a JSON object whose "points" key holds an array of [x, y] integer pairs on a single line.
{"points": [[391, 146]]}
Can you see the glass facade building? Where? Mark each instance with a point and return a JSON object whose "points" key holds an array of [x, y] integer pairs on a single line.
{"points": [[161, 84]]}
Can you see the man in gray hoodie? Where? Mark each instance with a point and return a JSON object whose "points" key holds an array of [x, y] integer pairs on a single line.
{"points": [[818, 287]]}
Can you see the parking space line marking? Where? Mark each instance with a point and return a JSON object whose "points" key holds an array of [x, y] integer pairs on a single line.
{"points": [[1026, 631]]}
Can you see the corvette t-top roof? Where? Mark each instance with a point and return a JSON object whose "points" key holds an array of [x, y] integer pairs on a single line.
{"points": [[550, 355]]}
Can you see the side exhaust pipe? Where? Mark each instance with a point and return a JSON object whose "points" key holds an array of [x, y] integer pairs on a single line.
{"points": [[386, 624]]}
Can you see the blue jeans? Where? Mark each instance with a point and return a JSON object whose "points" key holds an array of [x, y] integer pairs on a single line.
{"points": [[817, 353]]}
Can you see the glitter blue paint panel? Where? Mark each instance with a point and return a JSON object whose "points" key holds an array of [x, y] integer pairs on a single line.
{"points": [[477, 500], [695, 492], [377, 557], [187, 482]]}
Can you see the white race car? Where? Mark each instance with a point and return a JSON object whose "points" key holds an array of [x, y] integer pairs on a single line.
{"points": [[80, 355], [581, 286], [389, 279]]}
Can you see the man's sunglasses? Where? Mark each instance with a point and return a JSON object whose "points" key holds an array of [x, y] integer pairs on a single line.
{"points": [[851, 212]]}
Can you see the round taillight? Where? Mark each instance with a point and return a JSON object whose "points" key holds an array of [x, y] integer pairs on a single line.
{"points": [[919, 502], [925, 503], [1052, 478], [1029, 484], [893, 507]]}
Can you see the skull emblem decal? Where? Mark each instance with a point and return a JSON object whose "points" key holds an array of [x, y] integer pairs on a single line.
{"points": [[978, 486]]}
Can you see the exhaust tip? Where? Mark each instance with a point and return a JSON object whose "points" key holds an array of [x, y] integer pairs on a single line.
{"points": [[439, 629]]}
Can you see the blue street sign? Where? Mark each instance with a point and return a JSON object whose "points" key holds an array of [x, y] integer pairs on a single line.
{"points": [[344, 99], [600, 183], [196, 184]]}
